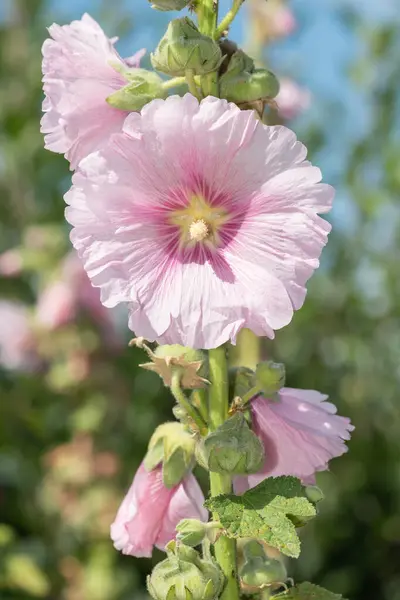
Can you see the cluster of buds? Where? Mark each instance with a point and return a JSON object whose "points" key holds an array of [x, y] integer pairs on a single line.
{"points": [[184, 575]]}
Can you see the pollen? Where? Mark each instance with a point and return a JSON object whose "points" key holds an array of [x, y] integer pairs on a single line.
{"points": [[199, 230]]}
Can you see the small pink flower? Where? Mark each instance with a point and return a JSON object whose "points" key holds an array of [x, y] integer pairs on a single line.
{"points": [[292, 99], [78, 76], [16, 339], [202, 219], [283, 22], [301, 433], [10, 263], [150, 512]]}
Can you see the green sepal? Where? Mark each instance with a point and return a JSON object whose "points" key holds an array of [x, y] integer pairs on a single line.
{"points": [[165, 5], [143, 87]]}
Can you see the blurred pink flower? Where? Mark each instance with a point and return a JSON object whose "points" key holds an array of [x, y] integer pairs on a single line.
{"points": [[16, 339], [203, 219], [271, 20], [63, 299], [80, 70], [292, 99], [301, 433], [150, 512], [10, 263]]}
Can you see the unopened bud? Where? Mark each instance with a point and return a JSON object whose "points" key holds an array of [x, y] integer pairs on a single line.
{"points": [[270, 377], [241, 381], [232, 449], [314, 494], [165, 5], [184, 48], [174, 447], [258, 572], [254, 549], [249, 87], [192, 532], [142, 88], [185, 576]]}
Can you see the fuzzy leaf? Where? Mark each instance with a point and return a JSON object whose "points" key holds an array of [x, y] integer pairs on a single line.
{"points": [[267, 512], [308, 591]]}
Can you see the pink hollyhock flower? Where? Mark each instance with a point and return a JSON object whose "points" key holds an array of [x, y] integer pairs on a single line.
{"points": [[301, 433], [80, 70], [292, 99], [203, 219], [271, 20], [282, 22], [150, 512], [10, 263], [16, 339]]}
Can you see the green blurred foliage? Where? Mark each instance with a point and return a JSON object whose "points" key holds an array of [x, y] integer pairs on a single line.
{"points": [[74, 429]]}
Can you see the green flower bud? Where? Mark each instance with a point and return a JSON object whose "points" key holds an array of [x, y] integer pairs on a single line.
{"points": [[270, 377], [184, 48], [142, 88], [192, 532], [314, 494], [239, 62], [259, 571], [165, 5], [174, 447], [249, 87], [254, 549], [241, 380], [185, 576], [233, 448]]}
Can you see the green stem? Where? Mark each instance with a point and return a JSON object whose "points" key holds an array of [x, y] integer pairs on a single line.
{"points": [[207, 14], [200, 401], [225, 548], [186, 404], [191, 82], [227, 20], [174, 82]]}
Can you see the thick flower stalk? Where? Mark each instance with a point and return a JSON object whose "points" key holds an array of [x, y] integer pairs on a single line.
{"points": [[203, 221]]}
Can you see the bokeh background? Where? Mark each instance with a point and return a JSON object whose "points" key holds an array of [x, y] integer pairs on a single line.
{"points": [[76, 412]]}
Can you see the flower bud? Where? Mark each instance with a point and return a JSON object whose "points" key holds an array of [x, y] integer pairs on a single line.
{"points": [[314, 494], [258, 572], [241, 381], [142, 88], [249, 87], [174, 447], [254, 549], [184, 48], [192, 532], [165, 5], [191, 364], [185, 576], [233, 448], [270, 377]]}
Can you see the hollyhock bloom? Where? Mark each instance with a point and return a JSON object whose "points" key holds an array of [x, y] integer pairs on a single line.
{"points": [[271, 20], [62, 300], [80, 70], [203, 219], [291, 99], [16, 341], [301, 433], [150, 512], [10, 263]]}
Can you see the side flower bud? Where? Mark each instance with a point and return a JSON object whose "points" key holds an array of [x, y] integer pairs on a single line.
{"points": [[184, 48], [242, 83], [143, 87], [259, 572], [192, 531], [174, 447], [233, 448], [270, 377], [185, 576], [165, 5]]}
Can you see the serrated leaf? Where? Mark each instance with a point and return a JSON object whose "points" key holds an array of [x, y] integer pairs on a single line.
{"points": [[308, 591], [266, 512]]}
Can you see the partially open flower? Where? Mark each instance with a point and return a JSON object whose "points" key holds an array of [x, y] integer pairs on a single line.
{"points": [[81, 69], [150, 512], [203, 219], [301, 433]]}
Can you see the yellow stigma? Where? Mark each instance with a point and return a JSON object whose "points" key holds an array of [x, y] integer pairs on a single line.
{"points": [[198, 230]]}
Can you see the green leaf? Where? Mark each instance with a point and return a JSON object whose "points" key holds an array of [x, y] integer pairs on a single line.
{"points": [[267, 512], [308, 591]]}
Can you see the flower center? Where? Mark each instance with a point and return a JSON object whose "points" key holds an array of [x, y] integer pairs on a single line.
{"points": [[199, 222], [198, 230]]}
